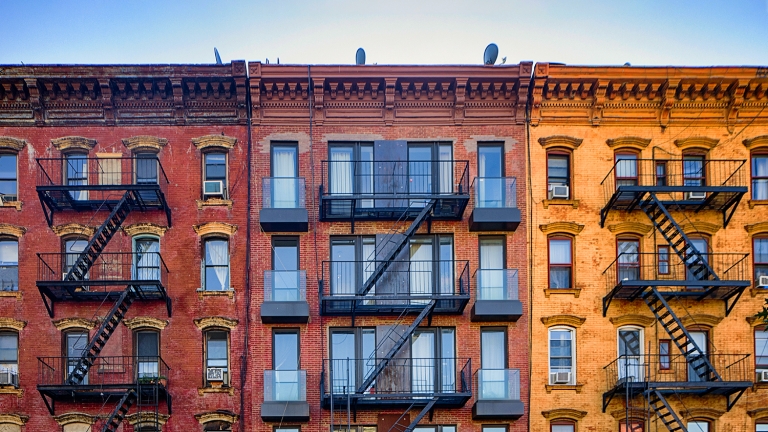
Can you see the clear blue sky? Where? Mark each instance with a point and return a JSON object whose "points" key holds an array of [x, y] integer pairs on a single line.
{"points": [[642, 32]]}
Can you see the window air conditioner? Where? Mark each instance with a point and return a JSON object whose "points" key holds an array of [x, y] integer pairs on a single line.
{"points": [[559, 192], [214, 374], [697, 195], [213, 188], [762, 376], [762, 282], [9, 377], [560, 378]]}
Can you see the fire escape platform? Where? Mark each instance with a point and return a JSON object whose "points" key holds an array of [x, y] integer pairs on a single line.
{"points": [[374, 401], [390, 207], [372, 305], [717, 197], [709, 289]]}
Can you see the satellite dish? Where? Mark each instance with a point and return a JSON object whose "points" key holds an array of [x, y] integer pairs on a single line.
{"points": [[218, 57], [490, 54], [360, 57]]}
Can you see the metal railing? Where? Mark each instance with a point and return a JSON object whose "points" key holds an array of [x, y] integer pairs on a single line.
{"points": [[495, 192], [497, 384], [676, 368], [648, 266], [107, 173], [285, 385], [501, 284], [686, 174], [108, 267], [285, 285], [283, 192], [409, 377], [105, 371]]}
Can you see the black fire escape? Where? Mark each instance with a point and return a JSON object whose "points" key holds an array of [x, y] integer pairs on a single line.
{"points": [[387, 282], [677, 270], [95, 274]]}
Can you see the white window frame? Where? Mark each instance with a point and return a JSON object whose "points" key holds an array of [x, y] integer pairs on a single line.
{"points": [[572, 330]]}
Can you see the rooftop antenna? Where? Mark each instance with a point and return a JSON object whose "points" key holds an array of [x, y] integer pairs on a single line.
{"points": [[490, 54], [360, 57], [218, 57]]}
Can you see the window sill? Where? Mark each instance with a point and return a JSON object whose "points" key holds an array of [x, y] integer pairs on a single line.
{"points": [[755, 291], [223, 293], [15, 204], [572, 203], [11, 390], [570, 291], [571, 387], [17, 294], [753, 203], [221, 390], [214, 202], [759, 386]]}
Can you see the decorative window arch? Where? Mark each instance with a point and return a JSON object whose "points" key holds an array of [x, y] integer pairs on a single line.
{"points": [[13, 422], [74, 230], [628, 143], [217, 142], [11, 145], [147, 420], [75, 422], [215, 229], [700, 145], [66, 324], [145, 144], [76, 144], [217, 420], [145, 228]]}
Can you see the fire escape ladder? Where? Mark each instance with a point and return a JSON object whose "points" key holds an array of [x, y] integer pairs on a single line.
{"points": [[398, 245], [108, 326], [121, 410], [665, 413], [401, 340], [697, 360], [102, 237], [397, 427], [694, 261]]}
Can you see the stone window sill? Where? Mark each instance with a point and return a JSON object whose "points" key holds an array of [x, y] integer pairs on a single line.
{"points": [[223, 293], [14, 204], [572, 203], [214, 202], [11, 390], [570, 291], [220, 390], [16, 294], [754, 292], [759, 386], [753, 203], [574, 387]]}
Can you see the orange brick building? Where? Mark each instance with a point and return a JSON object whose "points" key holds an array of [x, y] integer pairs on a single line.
{"points": [[647, 236]]}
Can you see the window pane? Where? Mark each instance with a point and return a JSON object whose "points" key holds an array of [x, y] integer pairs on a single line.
{"points": [[761, 428], [215, 166], [216, 265], [557, 170], [559, 251], [9, 348], [761, 250], [286, 351], [9, 265], [494, 429], [698, 426], [761, 348], [562, 428], [760, 177], [217, 349]]}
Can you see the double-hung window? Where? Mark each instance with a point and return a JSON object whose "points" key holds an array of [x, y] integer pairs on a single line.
{"points": [[559, 175], [9, 359], [561, 356], [760, 176], [76, 174], [761, 349], [217, 356], [148, 354], [216, 264], [215, 175], [8, 177], [760, 256], [560, 262], [9, 265]]}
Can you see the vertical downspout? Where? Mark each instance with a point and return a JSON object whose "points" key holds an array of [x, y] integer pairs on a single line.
{"points": [[244, 357], [529, 232]]}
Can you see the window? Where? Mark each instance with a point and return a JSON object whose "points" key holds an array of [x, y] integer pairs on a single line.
{"points": [[9, 359], [72, 250], [490, 173], [694, 174], [76, 174], [287, 429], [661, 173], [493, 380], [562, 427], [761, 348], [147, 353], [222, 426], [8, 177], [217, 356], [285, 169], [351, 170], [630, 353], [665, 359], [146, 259], [73, 427], [628, 256], [663, 260], [558, 174], [761, 427], [9, 265], [285, 365], [631, 426], [760, 177], [285, 269], [350, 351], [561, 357], [75, 343], [494, 429], [215, 175], [354, 429], [626, 169], [491, 280], [701, 339], [435, 429], [760, 256], [560, 263], [216, 264], [698, 426], [701, 245]]}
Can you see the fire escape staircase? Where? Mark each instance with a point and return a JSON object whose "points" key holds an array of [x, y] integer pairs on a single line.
{"points": [[666, 414]]}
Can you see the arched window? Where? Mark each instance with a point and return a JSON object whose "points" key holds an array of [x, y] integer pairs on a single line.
{"points": [[560, 262], [630, 351], [628, 258], [559, 174], [562, 358]]}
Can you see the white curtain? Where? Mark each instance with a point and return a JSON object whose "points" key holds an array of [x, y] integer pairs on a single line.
{"points": [[492, 380], [630, 357], [446, 169], [491, 284], [369, 263], [147, 260], [341, 171], [760, 185], [421, 269], [365, 171], [423, 362], [285, 188], [217, 265]]}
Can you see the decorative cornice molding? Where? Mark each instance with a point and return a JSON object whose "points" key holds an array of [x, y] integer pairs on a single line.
{"points": [[632, 319], [145, 228], [17, 419], [702, 143], [702, 413], [755, 321], [634, 413], [11, 323], [560, 141], [12, 230], [700, 227], [756, 228], [564, 413], [146, 417], [217, 321], [209, 228], [145, 322], [701, 319], [635, 143], [68, 323], [756, 142], [638, 228], [73, 229], [566, 227], [12, 144], [219, 416], [566, 320], [73, 143], [74, 417], [758, 413], [220, 141], [145, 142]]}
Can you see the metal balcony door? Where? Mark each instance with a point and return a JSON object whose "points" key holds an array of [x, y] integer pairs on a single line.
{"points": [[147, 353], [76, 344], [421, 268], [631, 355], [490, 170], [76, 174], [626, 173], [285, 191], [147, 174], [285, 362], [493, 357], [423, 362], [285, 262], [491, 282]]}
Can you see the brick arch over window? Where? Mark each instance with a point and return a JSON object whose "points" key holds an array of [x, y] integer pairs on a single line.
{"points": [[71, 143], [11, 144], [145, 143]]}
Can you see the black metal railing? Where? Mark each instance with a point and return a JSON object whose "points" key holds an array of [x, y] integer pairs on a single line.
{"points": [[285, 385], [495, 192], [108, 268], [408, 378], [106, 173], [285, 285], [497, 384], [676, 368], [106, 371], [496, 284], [669, 268], [283, 192]]}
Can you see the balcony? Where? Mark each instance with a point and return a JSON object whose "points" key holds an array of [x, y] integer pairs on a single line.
{"points": [[285, 396], [145, 273], [284, 206], [633, 375], [404, 286], [109, 376], [285, 297], [688, 183], [389, 190], [495, 204], [89, 184], [496, 296], [631, 274], [403, 382], [498, 395]]}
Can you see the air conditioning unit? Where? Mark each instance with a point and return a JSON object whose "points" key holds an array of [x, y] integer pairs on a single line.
{"points": [[560, 378], [762, 376], [697, 195], [559, 192], [9, 377], [762, 282], [213, 188], [214, 374]]}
